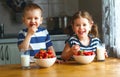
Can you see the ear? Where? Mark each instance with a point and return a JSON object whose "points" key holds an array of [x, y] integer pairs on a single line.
{"points": [[41, 20], [91, 24]]}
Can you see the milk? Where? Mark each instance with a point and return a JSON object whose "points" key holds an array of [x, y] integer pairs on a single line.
{"points": [[25, 60], [100, 52]]}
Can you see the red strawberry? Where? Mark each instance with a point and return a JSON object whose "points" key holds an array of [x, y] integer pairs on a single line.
{"points": [[49, 51]]}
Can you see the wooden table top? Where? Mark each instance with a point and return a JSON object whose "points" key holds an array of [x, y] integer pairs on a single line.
{"points": [[108, 68]]}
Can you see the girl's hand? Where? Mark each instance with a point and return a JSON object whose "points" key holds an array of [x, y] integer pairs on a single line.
{"points": [[75, 49], [106, 55], [60, 61]]}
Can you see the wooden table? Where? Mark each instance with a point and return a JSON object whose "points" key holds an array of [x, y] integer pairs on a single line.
{"points": [[109, 68]]}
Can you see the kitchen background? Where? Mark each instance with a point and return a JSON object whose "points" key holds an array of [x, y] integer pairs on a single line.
{"points": [[54, 13], [57, 14]]}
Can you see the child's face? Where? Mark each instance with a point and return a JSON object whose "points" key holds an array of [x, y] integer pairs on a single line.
{"points": [[81, 27], [32, 18]]}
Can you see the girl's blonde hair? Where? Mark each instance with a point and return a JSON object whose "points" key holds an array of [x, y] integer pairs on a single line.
{"points": [[84, 14]]}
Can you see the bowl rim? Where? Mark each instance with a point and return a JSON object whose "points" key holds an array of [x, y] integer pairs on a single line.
{"points": [[45, 58], [84, 55]]}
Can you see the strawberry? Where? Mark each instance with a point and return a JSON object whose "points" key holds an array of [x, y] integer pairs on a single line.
{"points": [[44, 54], [49, 51], [86, 53]]}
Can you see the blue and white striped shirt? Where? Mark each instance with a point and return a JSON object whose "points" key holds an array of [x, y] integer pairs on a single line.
{"points": [[40, 39], [91, 47]]}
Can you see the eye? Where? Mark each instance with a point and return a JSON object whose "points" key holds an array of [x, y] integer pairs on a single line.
{"points": [[36, 18], [28, 18], [84, 24], [77, 25]]}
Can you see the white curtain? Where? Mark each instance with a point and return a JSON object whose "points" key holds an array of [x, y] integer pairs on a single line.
{"points": [[117, 28], [111, 26]]}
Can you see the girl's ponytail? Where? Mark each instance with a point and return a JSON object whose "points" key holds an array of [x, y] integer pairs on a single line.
{"points": [[94, 31]]}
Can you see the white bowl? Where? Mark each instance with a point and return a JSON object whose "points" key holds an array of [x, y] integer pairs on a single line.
{"points": [[84, 59], [45, 62]]}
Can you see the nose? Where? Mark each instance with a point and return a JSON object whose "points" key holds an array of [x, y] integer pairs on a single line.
{"points": [[81, 27], [32, 20]]}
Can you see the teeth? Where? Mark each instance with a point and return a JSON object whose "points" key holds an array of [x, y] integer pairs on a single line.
{"points": [[81, 32]]}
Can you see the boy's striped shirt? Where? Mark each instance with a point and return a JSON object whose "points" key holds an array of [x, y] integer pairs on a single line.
{"points": [[40, 39]]}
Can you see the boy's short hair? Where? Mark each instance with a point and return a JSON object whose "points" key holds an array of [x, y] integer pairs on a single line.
{"points": [[32, 6]]}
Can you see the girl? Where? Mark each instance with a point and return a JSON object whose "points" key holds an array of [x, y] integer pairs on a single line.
{"points": [[85, 37]]}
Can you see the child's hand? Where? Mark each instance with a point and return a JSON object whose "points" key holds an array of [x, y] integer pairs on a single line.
{"points": [[59, 61], [106, 55], [75, 49], [32, 29]]}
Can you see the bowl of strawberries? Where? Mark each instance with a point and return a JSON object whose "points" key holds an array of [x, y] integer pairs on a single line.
{"points": [[84, 57], [45, 58]]}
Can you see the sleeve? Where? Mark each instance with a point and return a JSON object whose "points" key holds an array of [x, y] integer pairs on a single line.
{"points": [[21, 37], [48, 40], [69, 42], [99, 41], [72, 41]]}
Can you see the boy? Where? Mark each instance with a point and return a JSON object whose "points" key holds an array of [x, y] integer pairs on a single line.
{"points": [[34, 37]]}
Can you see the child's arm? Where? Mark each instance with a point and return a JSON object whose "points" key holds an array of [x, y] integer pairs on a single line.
{"points": [[69, 51], [25, 44]]}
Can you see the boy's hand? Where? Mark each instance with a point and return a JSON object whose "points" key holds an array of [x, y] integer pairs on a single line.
{"points": [[32, 30]]}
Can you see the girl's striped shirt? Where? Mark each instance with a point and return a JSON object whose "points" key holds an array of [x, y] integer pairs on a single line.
{"points": [[73, 40]]}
